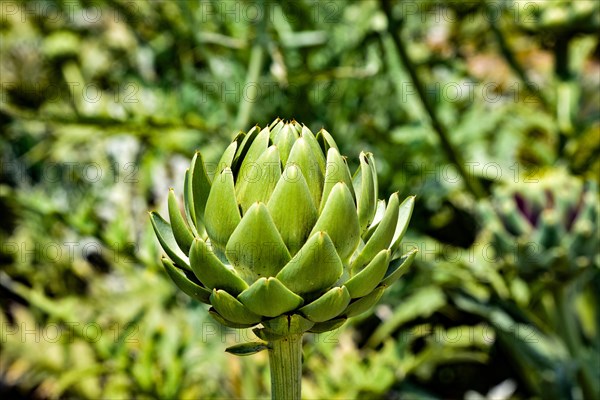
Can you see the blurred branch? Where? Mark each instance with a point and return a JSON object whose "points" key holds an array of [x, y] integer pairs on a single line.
{"points": [[394, 28], [512, 61]]}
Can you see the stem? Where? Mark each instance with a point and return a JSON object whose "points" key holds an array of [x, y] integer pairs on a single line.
{"points": [[394, 26], [285, 358]]}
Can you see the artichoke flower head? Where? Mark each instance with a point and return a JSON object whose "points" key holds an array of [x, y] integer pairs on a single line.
{"points": [[280, 233]]}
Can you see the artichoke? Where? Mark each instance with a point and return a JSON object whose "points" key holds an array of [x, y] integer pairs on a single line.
{"points": [[545, 228], [279, 232]]}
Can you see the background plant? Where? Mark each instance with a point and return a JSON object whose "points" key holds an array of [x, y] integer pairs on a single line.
{"points": [[163, 79]]}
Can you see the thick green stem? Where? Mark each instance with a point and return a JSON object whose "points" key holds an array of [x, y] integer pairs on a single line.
{"points": [[285, 359]]}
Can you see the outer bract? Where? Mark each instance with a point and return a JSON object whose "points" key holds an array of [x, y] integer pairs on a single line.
{"points": [[279, 232]]}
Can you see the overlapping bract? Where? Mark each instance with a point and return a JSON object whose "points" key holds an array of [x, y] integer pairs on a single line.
{"points": [[280, 233]]}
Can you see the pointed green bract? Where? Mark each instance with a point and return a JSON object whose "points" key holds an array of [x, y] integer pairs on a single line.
{"points": [[165, 236], [211, 272], [185, 284], [364, 187], [326, 141], [315, 267], [256, 149], [366, 280], [312, 142], [188, 203], [340, 221], [363, 304], [181, 232], [404, 214], [328, 325], [398, 267], [336, 171], [286, 325], [222, 215], [257, 180], [270, 298], [328, 306], [225, 322], [226, 160], [382, 236], [200, 186], [256, 248], [285, 141], [302, 156], [243, 147], [231, 309], [292, 193]]}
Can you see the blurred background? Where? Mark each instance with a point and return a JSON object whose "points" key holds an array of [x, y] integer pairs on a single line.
{"points": [[488, 111]]}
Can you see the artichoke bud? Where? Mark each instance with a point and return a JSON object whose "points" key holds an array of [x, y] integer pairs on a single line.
{"points": [[545, 228], [279, 232]]}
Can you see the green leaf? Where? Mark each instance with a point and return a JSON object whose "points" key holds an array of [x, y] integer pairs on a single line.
{"points": [[163, 232], [326, 141], [364, 304], [284, 140], [257, 180], [314, 148], [222, 215], [302, 156], [315, 267], [256, 149], [247, 349], [340, 221], [182, 234], [292, 193], [328, 306], [243, 148], [219, 318], [404, 214], [366, 280], [185, 284], [382, 236], [256, 248], [337, 171], [200, 187], [366, 194], [231, 309], [188, 203], [328, 325], [226, 159], [211, 271], [398, 267], [270, 298]]}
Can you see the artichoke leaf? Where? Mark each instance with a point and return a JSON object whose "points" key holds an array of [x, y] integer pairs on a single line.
{"points": [[328, 306], [231, 309], [366, 196], [257, 180], [382, 236], [226, 159], [328, 325], [219, 318], [211, 272], [315, 267], [292, 193], [302, 156], [336, 171], [247, 349], [185, 284], [363, 304], [316, 150], [200, 185], [340, 221], [366, 280], [270, 298], [404, 214], [286, 325], [255, 248], [398, 267], [165, 236], [222, 215], [181, 232]]}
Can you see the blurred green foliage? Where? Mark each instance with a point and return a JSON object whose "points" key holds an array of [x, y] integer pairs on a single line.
{"points": [[104, 102]]}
